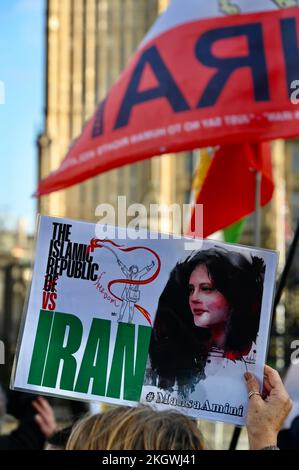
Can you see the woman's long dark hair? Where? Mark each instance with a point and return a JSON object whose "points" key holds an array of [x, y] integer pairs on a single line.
{"points": [[179, 349]]}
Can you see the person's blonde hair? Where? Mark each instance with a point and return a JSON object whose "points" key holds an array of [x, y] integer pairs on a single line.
{"points": [[141, 428]]}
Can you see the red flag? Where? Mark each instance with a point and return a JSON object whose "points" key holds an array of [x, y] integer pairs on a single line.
{"points": [[228, 192], [198, 79]]}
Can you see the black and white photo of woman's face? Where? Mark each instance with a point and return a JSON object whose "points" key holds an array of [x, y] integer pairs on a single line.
{"points": [[208, 306]]}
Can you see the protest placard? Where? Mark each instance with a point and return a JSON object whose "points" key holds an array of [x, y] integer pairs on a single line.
{"points": [[123, 320]]}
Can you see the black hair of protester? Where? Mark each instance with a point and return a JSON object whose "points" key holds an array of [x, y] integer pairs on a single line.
{"points": [[179, 349]]}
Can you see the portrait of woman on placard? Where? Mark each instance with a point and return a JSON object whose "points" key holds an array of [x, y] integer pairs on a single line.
{"points": [[210, 307]]}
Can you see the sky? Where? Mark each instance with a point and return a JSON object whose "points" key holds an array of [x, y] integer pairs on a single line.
{"points": [[22, 59]]}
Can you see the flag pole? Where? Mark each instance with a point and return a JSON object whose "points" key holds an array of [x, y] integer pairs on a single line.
{"points": [[257, 231], [257, 241]]}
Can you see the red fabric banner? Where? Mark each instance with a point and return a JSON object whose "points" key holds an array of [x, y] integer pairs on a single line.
{"points": [[215, 81]]}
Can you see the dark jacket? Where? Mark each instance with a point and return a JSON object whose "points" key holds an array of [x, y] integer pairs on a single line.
{"points": [[27, 435]]}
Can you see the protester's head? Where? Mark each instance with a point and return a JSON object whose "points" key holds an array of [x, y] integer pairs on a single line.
{"points": [[212, 299], [141, 428]]}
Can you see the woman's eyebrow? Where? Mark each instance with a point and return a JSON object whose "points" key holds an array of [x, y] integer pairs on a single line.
{"points": [[201, 284]]}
